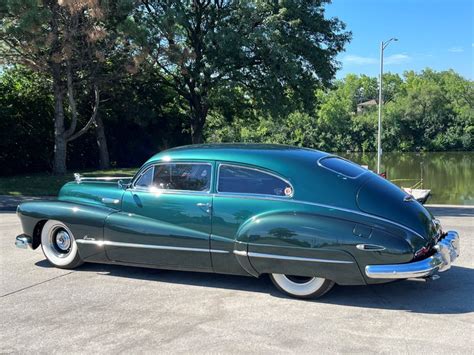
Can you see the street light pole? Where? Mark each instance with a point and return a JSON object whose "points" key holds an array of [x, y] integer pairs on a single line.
{"points": [[383, 45]]}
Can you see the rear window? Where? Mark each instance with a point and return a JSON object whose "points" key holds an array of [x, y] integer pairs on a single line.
{"points": [[342, 166]]}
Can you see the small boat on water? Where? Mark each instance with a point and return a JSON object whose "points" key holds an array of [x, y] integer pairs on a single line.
{"points": [[417, 191], [421, 195]]}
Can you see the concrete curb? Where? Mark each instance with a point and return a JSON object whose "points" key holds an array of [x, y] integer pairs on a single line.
{"points": [[448, 206]]}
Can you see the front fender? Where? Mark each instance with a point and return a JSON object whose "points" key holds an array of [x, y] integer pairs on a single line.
{"points": [[82, 220]]}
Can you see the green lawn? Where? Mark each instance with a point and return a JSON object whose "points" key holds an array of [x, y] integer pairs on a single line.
{"points": [[44, 184]]}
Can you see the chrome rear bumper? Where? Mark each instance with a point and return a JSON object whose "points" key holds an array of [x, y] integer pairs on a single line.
{"points": [[447, 250], [23, 242]]}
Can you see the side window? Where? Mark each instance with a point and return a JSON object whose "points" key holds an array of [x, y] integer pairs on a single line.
{"points": [[182, 176], [237, 179], [146, 178]]}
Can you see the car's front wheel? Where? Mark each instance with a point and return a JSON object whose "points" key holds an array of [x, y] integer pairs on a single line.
{"points": [[302, 287], [59, 245]]}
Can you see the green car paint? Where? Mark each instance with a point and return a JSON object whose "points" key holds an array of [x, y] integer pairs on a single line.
{"points": [[314, 229]]}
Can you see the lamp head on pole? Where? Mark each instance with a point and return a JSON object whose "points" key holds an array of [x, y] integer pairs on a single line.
{"points": [[385, 44]]}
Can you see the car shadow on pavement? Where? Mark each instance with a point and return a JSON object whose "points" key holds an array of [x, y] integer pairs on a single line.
{"points": [[453, 293]]}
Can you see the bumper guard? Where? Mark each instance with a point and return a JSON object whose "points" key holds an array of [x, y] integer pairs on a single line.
{"points": [[23, 242], [447, 250]]}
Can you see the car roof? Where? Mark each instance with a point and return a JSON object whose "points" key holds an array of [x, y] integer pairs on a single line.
{"points": [[275, 157]]}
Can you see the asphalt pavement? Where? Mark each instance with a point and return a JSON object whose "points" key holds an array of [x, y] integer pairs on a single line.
{"points": [[112, 309]]}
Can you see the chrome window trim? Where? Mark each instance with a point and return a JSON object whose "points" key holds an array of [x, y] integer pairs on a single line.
{"points": [[148, 246], [170, 191], [133, 187], [143, 172], [338, 172], [252, 194]]}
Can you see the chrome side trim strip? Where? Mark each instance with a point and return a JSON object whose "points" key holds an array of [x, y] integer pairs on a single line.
{"points": [[89, 241], [148, 246], [80, 178], [218, 251], [296, 258]]}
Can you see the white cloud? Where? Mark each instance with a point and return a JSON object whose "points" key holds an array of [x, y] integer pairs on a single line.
{"points": [[397, 59], [359, 60], [391, 59], [456, 49]]}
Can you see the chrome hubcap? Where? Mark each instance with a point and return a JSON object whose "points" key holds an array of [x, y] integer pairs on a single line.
{"points": [[299, 279], [63, 240], [298, 285]]}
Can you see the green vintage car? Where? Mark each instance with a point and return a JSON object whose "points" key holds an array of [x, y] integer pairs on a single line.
{"points": [[306, 218]]}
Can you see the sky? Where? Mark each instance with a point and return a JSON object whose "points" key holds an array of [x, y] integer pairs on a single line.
{"points": [[431, 33]]}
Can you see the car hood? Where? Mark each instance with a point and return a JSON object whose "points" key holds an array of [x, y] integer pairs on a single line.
{"points": [[380, 197]]}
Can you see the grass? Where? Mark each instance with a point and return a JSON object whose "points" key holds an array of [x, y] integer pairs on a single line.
{"points": [[45, 184]]}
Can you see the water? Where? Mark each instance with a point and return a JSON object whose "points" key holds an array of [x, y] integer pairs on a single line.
{"points": [[450, 176]]}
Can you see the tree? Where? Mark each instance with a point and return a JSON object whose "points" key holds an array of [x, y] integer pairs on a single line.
{"points": [[274, 53], [69, 40], [422, 111], [433, 112], [26, 108]]}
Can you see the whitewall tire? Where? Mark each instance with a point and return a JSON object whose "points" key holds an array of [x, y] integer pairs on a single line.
{"points": [[302, 287], [59, 245]]}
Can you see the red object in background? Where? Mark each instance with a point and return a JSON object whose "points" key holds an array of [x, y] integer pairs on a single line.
{"points": [[384, 174]]}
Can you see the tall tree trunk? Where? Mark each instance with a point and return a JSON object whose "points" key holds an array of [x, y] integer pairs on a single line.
{"points": [[60, 139], [196, 132], [198, 119], [104, 160]]}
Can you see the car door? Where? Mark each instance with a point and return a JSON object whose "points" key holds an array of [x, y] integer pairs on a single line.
{"points": [[165, 218], [243, 192]]}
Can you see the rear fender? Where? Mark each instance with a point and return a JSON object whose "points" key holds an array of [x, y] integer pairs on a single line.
{"points": [[301, 244], [83, 221]]}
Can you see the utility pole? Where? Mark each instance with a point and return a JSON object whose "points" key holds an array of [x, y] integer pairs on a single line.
{"points": [[383, 45]]}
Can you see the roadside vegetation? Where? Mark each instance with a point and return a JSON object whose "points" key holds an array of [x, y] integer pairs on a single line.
{"points": [[427, 111], [46, 184], [88, 85]]}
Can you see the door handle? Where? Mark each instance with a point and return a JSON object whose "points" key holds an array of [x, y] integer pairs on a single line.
{"points": [[206, 206]]}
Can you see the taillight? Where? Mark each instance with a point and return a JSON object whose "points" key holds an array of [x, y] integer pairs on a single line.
{"points": [[422, 252]]}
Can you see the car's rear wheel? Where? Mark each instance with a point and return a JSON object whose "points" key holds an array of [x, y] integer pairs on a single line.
{"points": [[302, 286], [59, 245]]}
